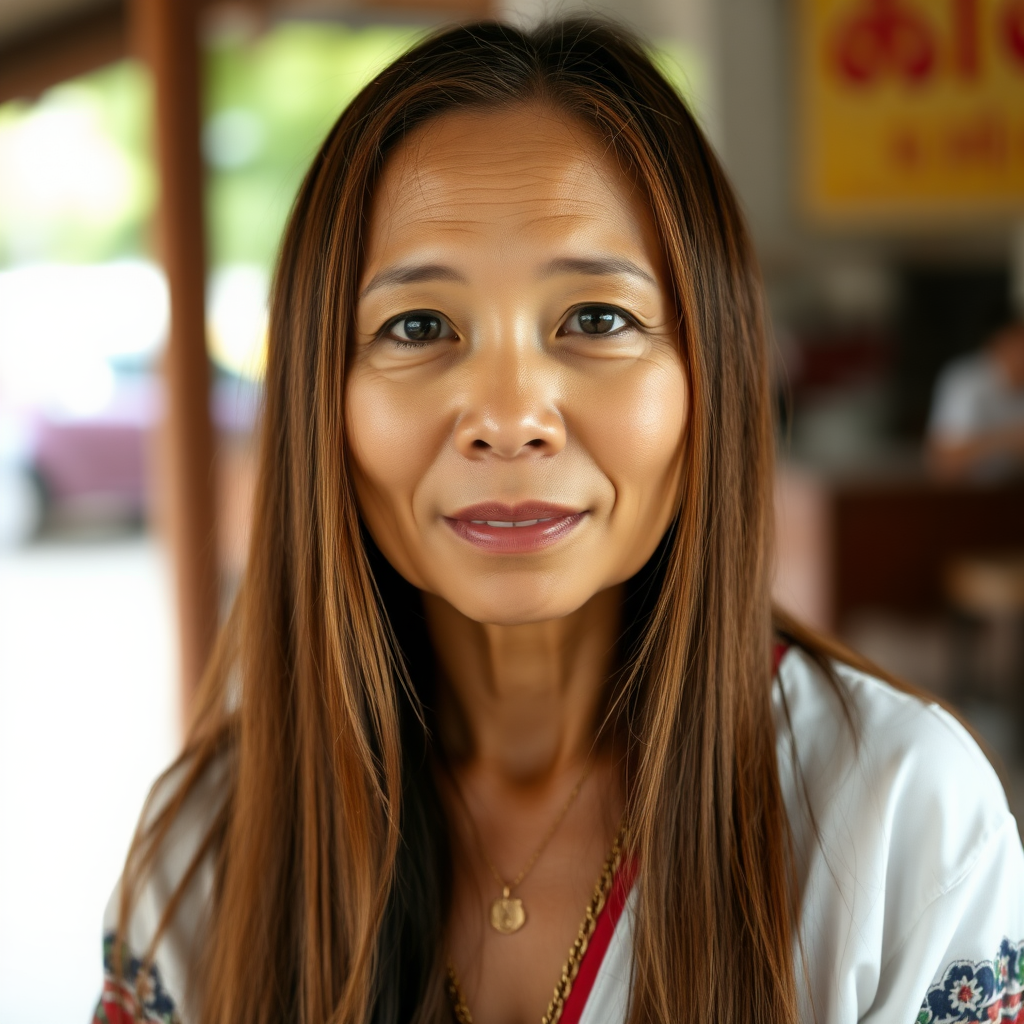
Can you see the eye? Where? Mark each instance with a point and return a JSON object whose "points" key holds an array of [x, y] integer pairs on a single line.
{"points": [[597, 320], [418, 328]]}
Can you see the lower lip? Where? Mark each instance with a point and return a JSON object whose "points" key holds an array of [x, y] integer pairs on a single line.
{"points": [[516, 540]]}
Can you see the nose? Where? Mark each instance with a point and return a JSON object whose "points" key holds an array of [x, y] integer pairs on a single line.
{"points": [[510, 408]]}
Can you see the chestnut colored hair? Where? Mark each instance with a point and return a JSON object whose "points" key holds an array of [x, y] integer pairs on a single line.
{"points": [[331, 846]]}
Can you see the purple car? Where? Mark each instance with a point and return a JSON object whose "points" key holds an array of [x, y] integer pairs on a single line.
{"points": [[99, 463]]}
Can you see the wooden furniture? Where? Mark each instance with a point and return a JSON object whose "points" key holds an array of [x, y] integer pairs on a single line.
{"points": [[882, 540], [985, 592], [987, 586], [892, 540]]}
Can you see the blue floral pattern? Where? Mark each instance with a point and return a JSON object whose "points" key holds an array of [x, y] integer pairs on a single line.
{"points": [[138, 995], [986, 990]]}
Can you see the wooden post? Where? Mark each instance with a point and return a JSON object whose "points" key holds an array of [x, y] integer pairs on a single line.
{"points": [[167, 37]]}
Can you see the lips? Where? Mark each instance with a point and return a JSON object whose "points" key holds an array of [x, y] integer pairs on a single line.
{"points": [[514, 529]]}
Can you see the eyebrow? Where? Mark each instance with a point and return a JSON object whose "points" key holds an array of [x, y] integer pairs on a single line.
{"points": [[413, 274], [601, 266], [416, 273]]}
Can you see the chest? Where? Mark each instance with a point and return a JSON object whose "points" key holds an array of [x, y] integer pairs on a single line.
{"points": [[570, 909]]}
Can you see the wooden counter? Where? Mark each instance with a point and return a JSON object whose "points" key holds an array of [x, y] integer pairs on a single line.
{"points": [[849, 541]]}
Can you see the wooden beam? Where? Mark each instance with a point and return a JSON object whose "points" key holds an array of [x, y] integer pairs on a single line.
{"points": [[429, 10], [81, 42], [70, 46], [167, 38], [458, 10]]}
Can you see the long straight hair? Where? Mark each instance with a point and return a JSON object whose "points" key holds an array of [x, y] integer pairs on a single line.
{"points": [[331, 850]]}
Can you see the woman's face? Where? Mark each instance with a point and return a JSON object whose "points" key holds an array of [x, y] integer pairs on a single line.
{"points": [[516, 400]]}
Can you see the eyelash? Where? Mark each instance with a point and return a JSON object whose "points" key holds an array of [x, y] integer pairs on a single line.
{"points": [[630, 323], [408, 343]]}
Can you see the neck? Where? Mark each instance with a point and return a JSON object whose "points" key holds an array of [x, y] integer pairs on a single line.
{"points": [[524, 701]]}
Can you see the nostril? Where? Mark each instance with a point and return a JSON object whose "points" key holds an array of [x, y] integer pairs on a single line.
{"points": [[480, 445], [537, 442]]}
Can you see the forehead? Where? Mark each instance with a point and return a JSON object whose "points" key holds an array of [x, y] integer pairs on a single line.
{"points": [[527, 173]]}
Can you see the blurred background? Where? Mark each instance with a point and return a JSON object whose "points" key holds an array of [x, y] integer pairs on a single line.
{"points": [[149, 152]]}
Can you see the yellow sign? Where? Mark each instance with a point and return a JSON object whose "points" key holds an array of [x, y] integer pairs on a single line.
{"points": [[912, 108]]}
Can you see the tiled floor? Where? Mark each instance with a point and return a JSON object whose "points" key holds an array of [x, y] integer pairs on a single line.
{"points": [[88, 717]]}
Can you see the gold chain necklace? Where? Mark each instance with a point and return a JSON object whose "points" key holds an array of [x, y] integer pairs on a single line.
{"points": [[460, 1009], [508, 914]]}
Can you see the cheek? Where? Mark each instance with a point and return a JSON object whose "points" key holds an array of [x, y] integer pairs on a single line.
{"points": [[391, 435], [635, 432]]}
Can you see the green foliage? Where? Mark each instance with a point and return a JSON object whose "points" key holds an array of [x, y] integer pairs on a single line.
{"points": [[76, 173], [270, 104], [76, 181]]}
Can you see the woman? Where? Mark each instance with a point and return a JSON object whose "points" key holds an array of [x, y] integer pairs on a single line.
{"points": [[499, 681]]}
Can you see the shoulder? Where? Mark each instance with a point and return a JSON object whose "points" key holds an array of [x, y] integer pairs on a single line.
{"points": [[975, 370], [158, 956], [961, 390], [962, 384], [908, 859], [868, 740]]}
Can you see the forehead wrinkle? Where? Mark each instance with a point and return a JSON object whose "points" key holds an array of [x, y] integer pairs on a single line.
{"points": [[433, 194], [529, 209], [410, 184], [442, 181], [578, 218]]}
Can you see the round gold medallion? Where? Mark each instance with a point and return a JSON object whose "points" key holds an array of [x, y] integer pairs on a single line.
{"points": [[507, 913]]}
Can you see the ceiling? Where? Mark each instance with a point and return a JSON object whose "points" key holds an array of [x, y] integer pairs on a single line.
{"points": [[43, 42], [23, 18]]}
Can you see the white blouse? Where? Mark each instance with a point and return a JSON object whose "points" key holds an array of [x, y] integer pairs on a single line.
{"points": [[911, 885], [912, 892]]}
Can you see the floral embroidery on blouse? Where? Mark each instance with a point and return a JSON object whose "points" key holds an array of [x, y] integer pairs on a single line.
{"points": [[138, 995], [988, 990]]}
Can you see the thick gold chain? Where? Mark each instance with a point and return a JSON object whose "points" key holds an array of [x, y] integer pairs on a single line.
{"points": [[460, 1010]]}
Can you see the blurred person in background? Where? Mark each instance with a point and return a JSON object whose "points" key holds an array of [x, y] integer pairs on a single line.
{"points": [[976, 426], [502, 726]]}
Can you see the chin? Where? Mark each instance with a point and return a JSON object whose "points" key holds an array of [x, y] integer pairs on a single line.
{"points": [[506, 603]]}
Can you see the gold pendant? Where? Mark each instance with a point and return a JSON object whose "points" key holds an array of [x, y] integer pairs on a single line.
{"points": [[507, 914]]}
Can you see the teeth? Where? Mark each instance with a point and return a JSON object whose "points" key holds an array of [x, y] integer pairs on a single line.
{"points": [[508, 525]]}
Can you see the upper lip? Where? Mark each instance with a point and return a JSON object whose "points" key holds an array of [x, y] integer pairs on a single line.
{"points": [[499, 512]]}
